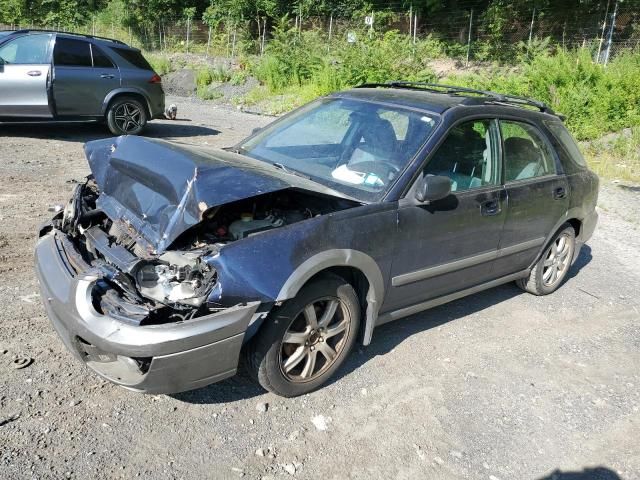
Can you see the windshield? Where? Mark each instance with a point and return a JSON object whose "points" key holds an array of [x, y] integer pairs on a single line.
{"points": [[357, 148]]}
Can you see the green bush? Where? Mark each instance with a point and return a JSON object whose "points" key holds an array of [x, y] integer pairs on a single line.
{"points": [[206, 76], [161, 65], [595, 99]]}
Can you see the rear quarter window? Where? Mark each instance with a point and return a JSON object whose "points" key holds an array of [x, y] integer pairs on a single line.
{"points": [[568, 151], [134, 57]]}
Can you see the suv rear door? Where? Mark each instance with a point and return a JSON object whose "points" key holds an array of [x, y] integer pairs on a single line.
{"points": [[25, 64], [83, 76], [537, 192]]}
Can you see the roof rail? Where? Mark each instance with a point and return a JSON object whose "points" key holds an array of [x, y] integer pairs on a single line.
{"points": [[27, 30], [499, 98]]}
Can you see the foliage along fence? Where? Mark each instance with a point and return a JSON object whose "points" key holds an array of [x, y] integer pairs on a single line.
{"points": [[463, 33]]}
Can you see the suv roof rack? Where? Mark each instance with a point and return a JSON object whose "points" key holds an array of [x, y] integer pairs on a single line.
{"points": [[27, 30], [498, 98]]}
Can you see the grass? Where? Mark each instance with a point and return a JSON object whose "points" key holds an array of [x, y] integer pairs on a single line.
{"points": [[617, 156]]}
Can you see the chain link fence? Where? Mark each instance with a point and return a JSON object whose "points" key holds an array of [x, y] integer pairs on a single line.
{"points": [[463, 34]]}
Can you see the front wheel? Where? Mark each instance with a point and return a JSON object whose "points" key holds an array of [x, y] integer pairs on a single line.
{"points": [[552, 268], [304, 341], [126, 116]]}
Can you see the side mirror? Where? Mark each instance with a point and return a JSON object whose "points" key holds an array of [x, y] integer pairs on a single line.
{"points": [[432, 187]]}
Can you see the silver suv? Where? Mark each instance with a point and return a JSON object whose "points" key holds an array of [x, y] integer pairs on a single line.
{"points": [[53, 76]]}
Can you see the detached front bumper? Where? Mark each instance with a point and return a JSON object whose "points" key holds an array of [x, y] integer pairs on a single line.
{"points": [[165, 358]]}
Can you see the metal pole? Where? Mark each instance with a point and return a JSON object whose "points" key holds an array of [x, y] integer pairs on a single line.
{"points": [[188, 32], [469, 36], [209, 40], [264, 34], [533, 17], [604, 26], [415, 27], [330, 31], [613, 26], [410, 19]]}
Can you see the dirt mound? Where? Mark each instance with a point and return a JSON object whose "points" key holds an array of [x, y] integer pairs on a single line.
{"points": [[181, 83]]}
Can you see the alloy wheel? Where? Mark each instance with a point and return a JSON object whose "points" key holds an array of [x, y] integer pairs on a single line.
{"points": [[557, 260], [128, 117], [314, 340]]}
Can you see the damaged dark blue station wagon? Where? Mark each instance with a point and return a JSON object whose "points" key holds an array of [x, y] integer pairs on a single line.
{"points": [[171, 262]]}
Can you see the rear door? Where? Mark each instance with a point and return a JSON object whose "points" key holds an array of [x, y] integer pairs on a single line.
{"points": [[25, 68], [83, 76], [537, 191]]}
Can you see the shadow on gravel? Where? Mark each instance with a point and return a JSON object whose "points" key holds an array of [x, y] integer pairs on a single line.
{"points": [[597, 473], [85, 132], [385, 339]]}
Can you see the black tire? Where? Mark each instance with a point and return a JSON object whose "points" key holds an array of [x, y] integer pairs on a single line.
{"points": [[542, 280], [268, 355], [126, 116]]}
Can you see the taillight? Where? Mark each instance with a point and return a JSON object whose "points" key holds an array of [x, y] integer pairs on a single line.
{"points": [[155, 79]]}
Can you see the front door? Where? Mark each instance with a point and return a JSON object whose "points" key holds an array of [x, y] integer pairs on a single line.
{"points": [[83, 76], [25, 69], [451, 244]]}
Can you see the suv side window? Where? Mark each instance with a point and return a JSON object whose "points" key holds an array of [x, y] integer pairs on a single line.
{"points": [[71, 53], [526, 153], [26, 50], [100, 59], [469, 156]]}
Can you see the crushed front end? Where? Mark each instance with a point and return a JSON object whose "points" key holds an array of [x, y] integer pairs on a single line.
{"points": [[137, 319]]}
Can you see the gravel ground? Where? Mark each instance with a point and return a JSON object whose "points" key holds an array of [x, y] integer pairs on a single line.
{"points": [[500, 385]]}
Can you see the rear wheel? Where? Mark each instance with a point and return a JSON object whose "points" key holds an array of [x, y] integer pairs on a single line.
{"points": [[552, 268], [306, 339], [126, 116]]}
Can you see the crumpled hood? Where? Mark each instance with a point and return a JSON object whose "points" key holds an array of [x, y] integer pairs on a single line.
{"points": [[161, 189]]}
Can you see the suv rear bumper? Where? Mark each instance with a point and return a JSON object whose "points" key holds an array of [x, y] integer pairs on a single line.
{"points": [[165, 358]]}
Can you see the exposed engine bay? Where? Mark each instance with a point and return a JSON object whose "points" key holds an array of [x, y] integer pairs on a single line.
{"points": [[140, 286]]}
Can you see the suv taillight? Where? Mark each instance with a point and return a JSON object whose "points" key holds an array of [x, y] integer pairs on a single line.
{"points": [[155, 79]]}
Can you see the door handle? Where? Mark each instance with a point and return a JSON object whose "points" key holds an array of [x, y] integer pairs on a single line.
{"points": [[490, 208], [559, 193], [34, 73], [107, 75]]}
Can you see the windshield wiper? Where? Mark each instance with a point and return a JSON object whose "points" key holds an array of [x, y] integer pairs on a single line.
{"points": [[290, 171]]}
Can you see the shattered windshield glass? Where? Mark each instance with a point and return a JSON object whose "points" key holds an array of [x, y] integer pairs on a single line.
{"points": [[355, 147]]}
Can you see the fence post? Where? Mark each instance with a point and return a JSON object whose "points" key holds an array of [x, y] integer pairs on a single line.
{"points": [[188, 32], [604, 26], [533, 17], [469, 36], [330, 31], [613, 26], [208, 40], [415, 27], [233, 45], [410, 19], [264, 34]]}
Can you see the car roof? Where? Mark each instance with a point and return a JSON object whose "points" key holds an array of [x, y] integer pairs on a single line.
{"points": [[439, 98], [109, 42]]}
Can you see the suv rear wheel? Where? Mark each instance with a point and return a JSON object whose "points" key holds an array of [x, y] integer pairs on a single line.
{"points": [[306, 339], [552, 268], [126, 116]]}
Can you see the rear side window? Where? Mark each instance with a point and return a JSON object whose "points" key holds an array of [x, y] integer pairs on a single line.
{"points": [[71, 53], [526, 154], [568, 144], [100, 59], [134, 57], [26, 50]]}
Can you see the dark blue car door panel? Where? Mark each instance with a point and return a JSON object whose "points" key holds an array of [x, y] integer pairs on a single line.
{"points": [[446, 246]]}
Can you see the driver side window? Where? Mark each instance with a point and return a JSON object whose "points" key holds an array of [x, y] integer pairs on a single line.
{"points": [[27, 50], [468, 156]]}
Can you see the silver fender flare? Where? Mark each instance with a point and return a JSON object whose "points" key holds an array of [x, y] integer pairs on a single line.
{"points": [[341, 258]]}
